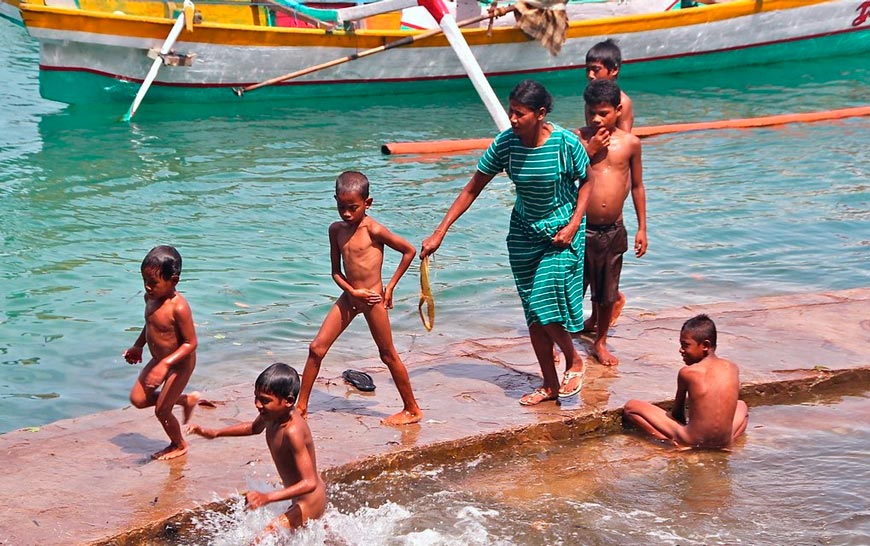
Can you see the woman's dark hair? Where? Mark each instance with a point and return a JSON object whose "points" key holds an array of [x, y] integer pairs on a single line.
{"points": [[165, 259], [279, 379], [532, 94]]}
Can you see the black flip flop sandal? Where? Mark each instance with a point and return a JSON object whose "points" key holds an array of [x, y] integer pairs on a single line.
{"points": [[361, 380]]}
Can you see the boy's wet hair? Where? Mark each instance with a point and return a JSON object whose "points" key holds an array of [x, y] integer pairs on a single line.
{"points": [[606, 53], [279, 379], [532, 94], [700, 328], [352, 182], [602, 92], [165, 259]]}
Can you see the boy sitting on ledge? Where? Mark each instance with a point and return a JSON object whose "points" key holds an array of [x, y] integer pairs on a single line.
{"points": [[708, 385]]}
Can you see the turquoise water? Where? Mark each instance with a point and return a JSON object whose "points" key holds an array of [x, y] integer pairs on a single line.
{"points": [[245, 192]]}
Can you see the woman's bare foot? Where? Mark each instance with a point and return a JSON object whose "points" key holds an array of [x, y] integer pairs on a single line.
{"points": [[190, 402], [538, 396], [599, 351], [404, 417], [170, 452]]}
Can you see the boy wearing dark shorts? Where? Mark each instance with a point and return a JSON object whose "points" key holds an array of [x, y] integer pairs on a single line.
{"points": [[615, 171]]}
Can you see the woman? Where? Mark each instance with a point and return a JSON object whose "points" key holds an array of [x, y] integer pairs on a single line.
{"points": [[546, 236]]}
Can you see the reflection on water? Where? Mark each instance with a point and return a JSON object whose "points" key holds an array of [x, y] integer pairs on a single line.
{"points": [[798, 477]]}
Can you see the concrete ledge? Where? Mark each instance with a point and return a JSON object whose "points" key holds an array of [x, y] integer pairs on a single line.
{"points": [[89, 481]]}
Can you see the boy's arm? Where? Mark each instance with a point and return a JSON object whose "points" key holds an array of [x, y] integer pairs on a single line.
{"points": [[678, 412], [305, 468], [242, 429], [638, 196], [335, 259], [399, 244], [626, 119], [133, 355], [464, 200]]}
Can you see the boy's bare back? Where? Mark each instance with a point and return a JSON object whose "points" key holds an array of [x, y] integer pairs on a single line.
{"points": [[279, 438], [611, 170], [708, 388], [712, 390]]}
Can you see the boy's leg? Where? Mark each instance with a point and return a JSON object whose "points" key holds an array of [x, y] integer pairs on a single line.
{"points": [[291, 519], [612, 245], [378, 320], [602, 327], [337, 320], [654, 421], [141, 395], [169, 396], [741, 419]]}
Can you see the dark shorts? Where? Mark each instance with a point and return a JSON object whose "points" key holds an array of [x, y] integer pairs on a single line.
{"points": [[605, 246]]}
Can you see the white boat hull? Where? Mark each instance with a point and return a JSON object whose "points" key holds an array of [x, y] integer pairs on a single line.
{"points": [[799, 32]]}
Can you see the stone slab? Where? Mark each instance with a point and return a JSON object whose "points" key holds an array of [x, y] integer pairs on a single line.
{"points": [[86, 480]]}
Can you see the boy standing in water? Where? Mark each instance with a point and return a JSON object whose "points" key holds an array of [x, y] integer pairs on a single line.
{"points": [[708, 385], [357, 242], [290, 442], [171, 340], [615, 171]]}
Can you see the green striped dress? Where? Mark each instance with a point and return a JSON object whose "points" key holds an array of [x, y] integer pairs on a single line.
{"points": [[549, 279]]}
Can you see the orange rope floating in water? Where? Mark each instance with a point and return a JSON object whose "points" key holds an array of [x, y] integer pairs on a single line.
{"points": [[457, 146]]}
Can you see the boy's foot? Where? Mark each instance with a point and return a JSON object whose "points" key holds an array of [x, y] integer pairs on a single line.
{"points": [[617, 309], [538, 396], [589, 326], [572, 382], [170, 452], [190, 402], [404, 417], [604, 356]]}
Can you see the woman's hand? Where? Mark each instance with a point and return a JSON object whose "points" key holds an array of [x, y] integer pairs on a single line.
{"points": [[564, 236], [431, 243]]}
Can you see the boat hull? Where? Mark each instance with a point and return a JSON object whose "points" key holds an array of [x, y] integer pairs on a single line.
{"points": [[81, 61], [9, 10]]}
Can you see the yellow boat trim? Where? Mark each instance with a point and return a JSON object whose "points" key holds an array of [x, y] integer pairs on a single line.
{"points": [[110, 24]]}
